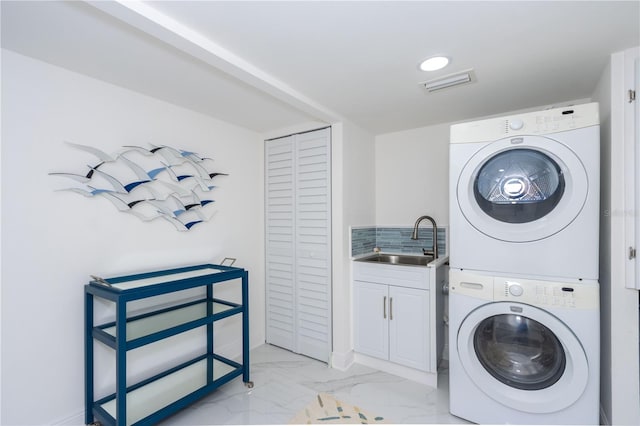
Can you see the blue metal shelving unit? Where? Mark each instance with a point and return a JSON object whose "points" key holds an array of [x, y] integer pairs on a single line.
{"points": [[157, 397]]}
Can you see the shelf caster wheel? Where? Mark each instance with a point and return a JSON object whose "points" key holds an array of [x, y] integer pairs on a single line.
{"points": [[248, 384], [95, 424]]}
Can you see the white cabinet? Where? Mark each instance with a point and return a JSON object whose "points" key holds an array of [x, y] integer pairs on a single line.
{"points": [[298, 243], [631, 154], [409, 327], [371, 323], [392, 314]]}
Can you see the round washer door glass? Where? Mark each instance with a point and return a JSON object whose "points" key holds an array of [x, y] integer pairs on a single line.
{"points": [[519, 186], [522, 357], [519, 352]]}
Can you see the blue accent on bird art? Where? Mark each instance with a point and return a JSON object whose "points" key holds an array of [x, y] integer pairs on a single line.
{"points": [[149, 183]]}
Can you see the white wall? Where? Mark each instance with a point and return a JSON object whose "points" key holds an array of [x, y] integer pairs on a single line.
{"points": [[52, 240], [620, 376], [412, 175], [602, 95], [353, 198]]}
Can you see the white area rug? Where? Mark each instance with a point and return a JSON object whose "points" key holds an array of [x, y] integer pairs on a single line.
{"points": [[326, 409]]}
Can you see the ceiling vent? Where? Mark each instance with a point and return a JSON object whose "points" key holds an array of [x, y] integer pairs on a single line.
{"points": [[450, 80]]}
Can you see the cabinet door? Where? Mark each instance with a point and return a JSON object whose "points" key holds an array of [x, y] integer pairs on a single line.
{"points": [[370, 313], [409, 327]]}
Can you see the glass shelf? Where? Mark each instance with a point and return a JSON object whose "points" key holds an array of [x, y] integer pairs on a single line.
{"points": [[148, 399], [148, 325], [144, 282]]}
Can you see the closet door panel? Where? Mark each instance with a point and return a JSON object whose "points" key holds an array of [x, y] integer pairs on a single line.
{"points": [[313, 243], [280, 254]]}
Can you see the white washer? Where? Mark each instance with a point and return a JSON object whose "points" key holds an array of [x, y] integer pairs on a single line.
{"points": [[524, 194], [523, 351]]}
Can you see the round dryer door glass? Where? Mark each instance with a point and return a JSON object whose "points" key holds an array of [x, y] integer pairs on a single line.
{"points": [[519, 352], [519, 186]]}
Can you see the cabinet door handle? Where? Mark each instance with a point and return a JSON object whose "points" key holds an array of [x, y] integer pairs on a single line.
{"points": [[391, 308], [384, 307]]}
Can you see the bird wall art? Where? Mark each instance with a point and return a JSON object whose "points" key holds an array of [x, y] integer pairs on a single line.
{"points": [[158, 182]]}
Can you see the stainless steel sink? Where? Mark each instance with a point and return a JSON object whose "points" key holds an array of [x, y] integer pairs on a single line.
{"points": [[397, 259]]}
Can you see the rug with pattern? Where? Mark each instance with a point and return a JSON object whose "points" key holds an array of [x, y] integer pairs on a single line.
{"points": [[326, 409]]}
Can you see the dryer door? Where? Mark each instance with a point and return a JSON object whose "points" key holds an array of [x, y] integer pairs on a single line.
{"points": [[522, 189], [522, 357]]}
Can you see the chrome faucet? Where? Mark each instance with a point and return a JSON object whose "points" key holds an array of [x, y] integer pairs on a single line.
{"points": [[414, 236]]}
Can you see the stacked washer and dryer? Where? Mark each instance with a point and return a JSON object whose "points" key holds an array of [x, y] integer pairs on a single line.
{"points": [[524, 317]]}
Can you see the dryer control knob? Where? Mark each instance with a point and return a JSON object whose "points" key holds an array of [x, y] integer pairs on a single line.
{"points": [[516, 290], [516, 124]]}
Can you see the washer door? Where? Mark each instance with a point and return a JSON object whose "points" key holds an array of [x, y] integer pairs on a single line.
{"points": [[522, 189], [522, 357]]}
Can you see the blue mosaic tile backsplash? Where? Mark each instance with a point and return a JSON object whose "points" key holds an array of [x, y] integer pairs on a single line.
{"points": [[363, 240], [394, 240]]}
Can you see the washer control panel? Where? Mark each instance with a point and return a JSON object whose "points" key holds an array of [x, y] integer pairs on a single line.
{"points": [[546, 293], [554, 294], [585, 295]]}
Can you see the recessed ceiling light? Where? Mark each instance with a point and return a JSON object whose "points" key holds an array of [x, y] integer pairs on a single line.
{"points": [[435, 63]]}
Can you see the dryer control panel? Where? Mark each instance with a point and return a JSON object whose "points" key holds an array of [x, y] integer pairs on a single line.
{"points": [[533, 123], [534, 292]]}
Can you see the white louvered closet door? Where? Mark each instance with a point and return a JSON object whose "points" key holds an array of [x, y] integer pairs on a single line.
{"points": [[313, 244], [298, 248], [280, 251]]}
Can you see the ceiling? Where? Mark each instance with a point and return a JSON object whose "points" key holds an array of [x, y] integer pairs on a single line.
{"points": [[271, 65]]}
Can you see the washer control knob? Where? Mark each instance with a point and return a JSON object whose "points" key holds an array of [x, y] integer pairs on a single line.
{"points": [[516, 124], [516, 290]]}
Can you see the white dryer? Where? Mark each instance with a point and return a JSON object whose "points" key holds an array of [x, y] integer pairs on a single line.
{"points": [[523, 351], [524, 194]]}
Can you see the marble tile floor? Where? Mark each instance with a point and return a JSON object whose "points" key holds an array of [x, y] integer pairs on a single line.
{"points": [[284, 383]]}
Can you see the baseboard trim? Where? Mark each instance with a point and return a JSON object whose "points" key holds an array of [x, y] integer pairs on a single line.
{"points": [[423, 377], [72, 420], [342, 361]]}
